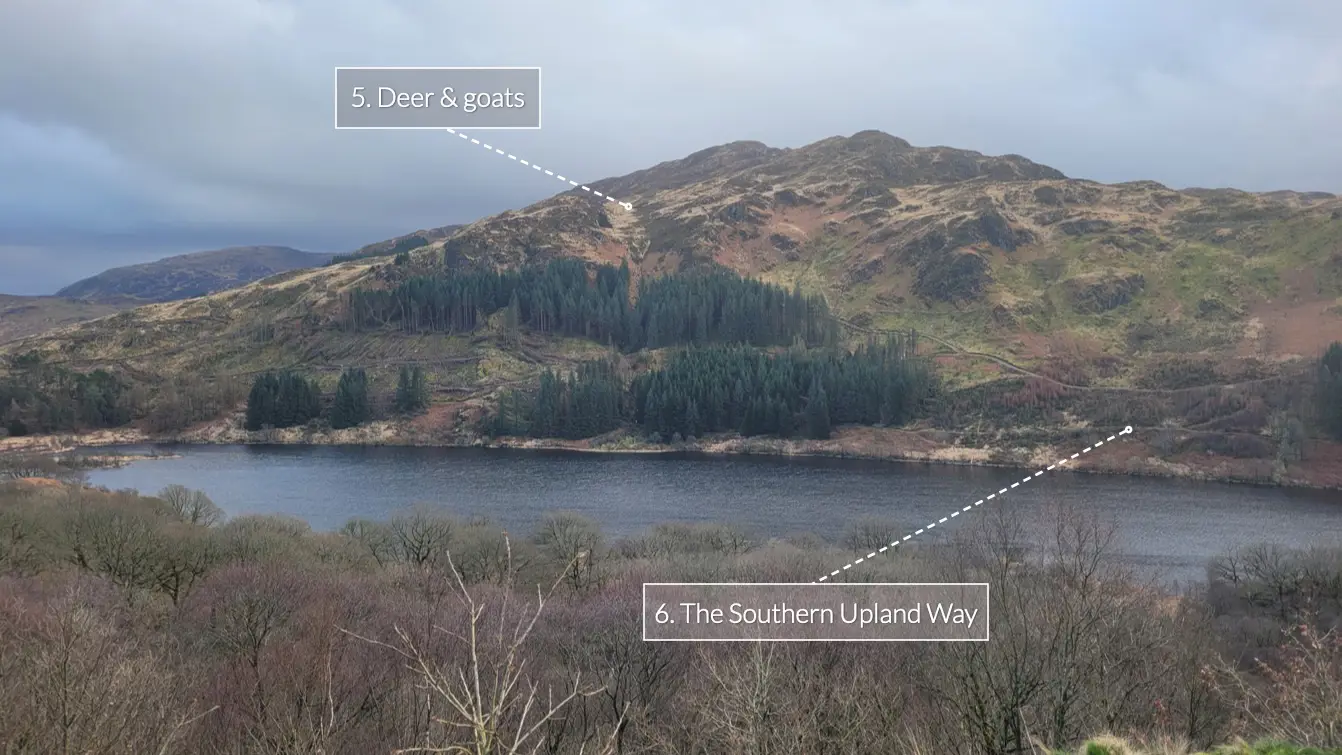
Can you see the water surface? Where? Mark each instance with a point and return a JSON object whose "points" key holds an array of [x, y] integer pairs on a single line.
{"points": [[1167, 526]]}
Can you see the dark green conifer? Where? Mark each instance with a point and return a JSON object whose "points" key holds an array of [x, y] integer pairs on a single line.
{"points": [[351, 406], [1328, 390], [817, 412], [411, 390]]}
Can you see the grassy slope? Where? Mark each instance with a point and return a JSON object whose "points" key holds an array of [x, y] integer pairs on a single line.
{"points": [[23, 316], [1228, 276], [1222, 299], [284, 323], [173, 278]]}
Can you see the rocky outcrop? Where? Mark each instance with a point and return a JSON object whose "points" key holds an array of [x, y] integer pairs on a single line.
{"points": [[952, 277], [1083, 226], [790, 198], [870, 195], [1100, 292]]}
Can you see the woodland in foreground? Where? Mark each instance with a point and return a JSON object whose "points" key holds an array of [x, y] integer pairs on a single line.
{"points": [[135, 624]]}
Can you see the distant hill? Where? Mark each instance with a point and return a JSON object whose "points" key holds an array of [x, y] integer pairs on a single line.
{"points": [[181, 277], [190, 275], [23, 316], [407, 243]]}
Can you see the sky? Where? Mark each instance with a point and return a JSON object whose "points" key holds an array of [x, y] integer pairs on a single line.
{"points": [[135, 129]]}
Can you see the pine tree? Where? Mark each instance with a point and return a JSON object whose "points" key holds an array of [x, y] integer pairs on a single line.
{"points": [[736, 405], [750, 422], [513, 417], [817, 412], [403, 400], [785, 423], [261, 402], [1329, 391], [692, 424], [512, 318], [282, 400], [716, 388], [350, 408], [312, 401], [289, 401], [561, 297], [546, 422], [411, 391], [652, 411], [419, 389]]}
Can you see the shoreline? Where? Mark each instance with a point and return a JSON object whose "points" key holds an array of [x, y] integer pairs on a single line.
{"points": [[108, 461], [1134, 459], [1092, 470]]}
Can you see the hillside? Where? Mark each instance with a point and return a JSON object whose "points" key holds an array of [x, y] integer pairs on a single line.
{"points": [[991, 253], [189, 275], [405, 243], [180, 277], [23, 316], [1052, 304]]}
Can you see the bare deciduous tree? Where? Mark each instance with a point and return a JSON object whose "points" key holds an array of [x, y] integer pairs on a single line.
{"points": [[119, 541], [375, 538], [21, 549], [869, 533], [186, 554], [1078, 645], [576, 541], [490, 704], [191, 506], [745, 704], [422, 536], [1297, 699], [88, 687]]}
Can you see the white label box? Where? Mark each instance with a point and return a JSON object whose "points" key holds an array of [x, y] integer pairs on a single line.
{"points": [[816, 612], [437, 98]]}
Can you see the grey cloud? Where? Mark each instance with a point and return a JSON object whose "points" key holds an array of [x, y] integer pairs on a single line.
{"points": [[122, 117]]}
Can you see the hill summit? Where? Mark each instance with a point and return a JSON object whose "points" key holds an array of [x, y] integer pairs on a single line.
{"points": [[995, 253]]}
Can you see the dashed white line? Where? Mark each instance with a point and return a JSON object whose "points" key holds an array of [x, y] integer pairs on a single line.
{"points": [[1126, 431], [588, 189]]}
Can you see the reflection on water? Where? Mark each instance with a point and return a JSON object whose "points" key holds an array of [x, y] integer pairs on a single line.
{"points": [[1170, 526]]}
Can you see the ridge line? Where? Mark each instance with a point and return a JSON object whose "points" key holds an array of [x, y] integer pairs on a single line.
{"points": [[515, 158]]}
